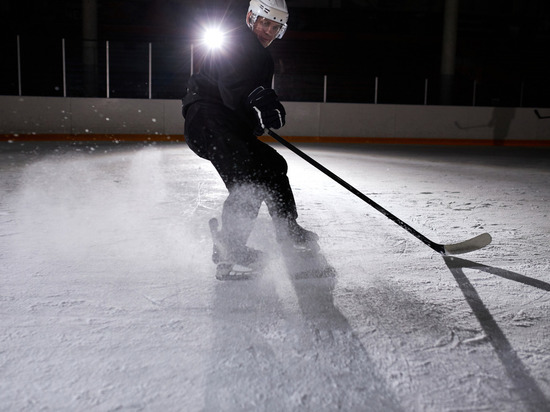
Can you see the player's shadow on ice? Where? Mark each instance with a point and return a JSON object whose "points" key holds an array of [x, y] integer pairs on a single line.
{"points": [[528, 389], [500, 122], [266, 355], [335, 343]]}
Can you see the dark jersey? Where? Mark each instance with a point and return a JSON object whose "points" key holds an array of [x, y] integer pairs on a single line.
{"points": [[229, 74]]}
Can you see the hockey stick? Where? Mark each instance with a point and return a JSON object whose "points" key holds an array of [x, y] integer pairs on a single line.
{"points": [[470, 127], [539, 115], [469, 245]]}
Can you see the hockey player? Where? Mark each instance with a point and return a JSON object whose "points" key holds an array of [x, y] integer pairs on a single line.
{"points": [[229, 103]]}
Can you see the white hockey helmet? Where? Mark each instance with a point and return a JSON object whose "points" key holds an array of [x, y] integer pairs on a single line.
{"points": [[274, 10]]}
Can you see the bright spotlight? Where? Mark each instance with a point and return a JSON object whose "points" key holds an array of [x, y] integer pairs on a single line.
{"points": [[214, 38]]}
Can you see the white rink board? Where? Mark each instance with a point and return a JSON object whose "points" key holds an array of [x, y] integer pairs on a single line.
{"points": [[55, 115]]}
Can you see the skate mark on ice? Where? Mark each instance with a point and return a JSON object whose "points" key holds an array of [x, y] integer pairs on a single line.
{"points": [[525, 386], [523, 319]]}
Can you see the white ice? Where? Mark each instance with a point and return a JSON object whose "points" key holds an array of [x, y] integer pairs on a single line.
{"points": [[108, 299]]}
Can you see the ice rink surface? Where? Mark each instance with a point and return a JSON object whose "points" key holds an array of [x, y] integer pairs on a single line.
{"points": [[108, 299]]}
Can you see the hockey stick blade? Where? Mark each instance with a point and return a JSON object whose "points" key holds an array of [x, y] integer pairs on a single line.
{"points": [[458, 125], [541, 116], [469, 245]]}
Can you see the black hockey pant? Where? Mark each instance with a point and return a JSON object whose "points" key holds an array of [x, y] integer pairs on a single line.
{"points": [[252, 171]]}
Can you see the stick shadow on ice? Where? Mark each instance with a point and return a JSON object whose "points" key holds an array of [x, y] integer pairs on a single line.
{"points": [[522, 382], [455, 263]]}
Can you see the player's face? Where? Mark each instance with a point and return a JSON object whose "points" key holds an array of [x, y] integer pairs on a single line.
{"points": [[266, 30]]}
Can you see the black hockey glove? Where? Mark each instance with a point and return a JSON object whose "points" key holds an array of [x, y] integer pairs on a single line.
{"points": [[268, 110]]}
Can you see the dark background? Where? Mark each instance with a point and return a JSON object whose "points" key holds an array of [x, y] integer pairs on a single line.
{"points": [[502, 47]]}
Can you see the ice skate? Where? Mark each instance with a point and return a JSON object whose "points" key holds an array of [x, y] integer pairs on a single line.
{"points": [[293, 237], [301, 252], [234, 263]]}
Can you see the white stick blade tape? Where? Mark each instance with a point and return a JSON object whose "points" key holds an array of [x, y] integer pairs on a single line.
{"points": [[469, 245]]}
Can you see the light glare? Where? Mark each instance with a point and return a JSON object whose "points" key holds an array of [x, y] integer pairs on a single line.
{"points": [[214, 38]]}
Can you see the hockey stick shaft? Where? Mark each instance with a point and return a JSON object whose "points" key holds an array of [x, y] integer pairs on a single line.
{"points": [[435, 246]]}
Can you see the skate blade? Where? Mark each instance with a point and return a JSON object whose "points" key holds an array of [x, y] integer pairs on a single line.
{"points": [[226, 271]]}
